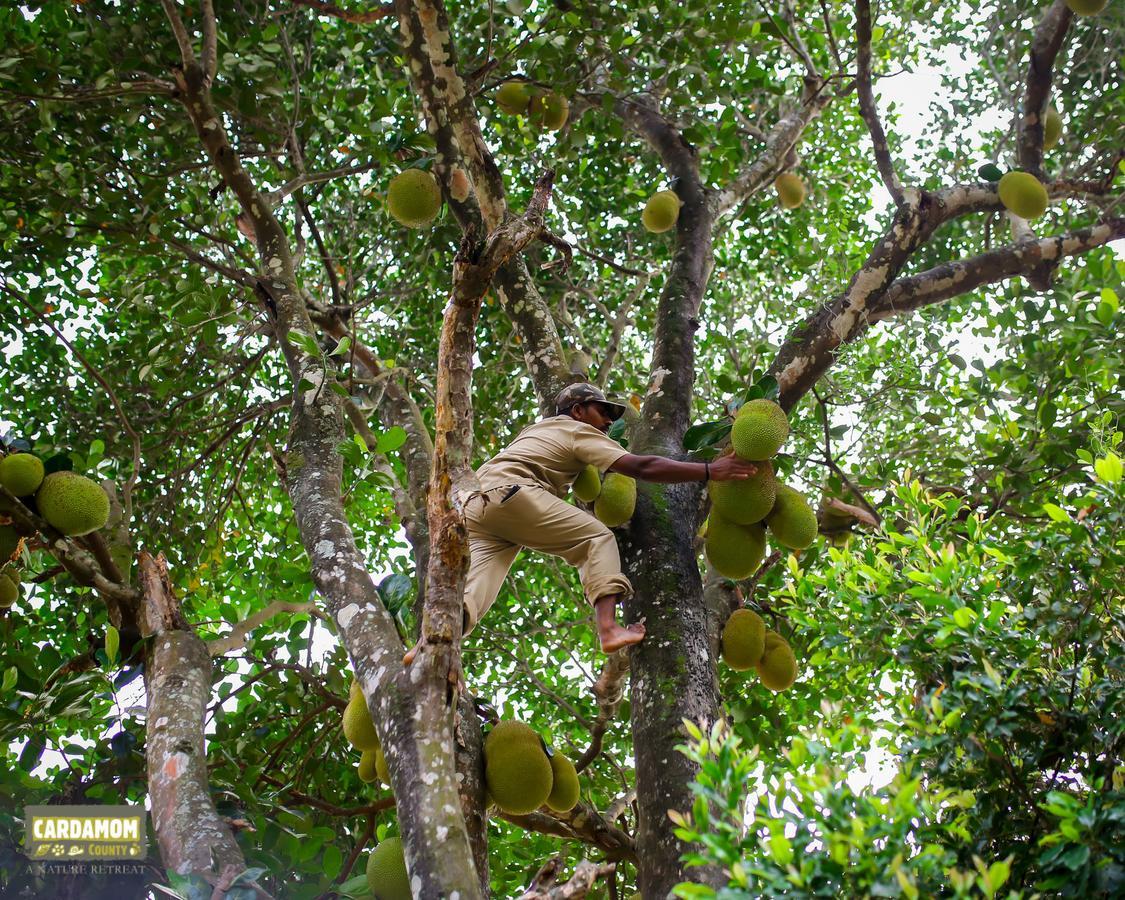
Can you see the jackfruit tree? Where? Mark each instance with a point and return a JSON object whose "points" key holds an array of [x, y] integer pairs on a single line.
{"points": [[276, 276]]}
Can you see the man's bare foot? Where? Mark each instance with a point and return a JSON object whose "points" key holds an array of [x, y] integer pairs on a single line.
{"points": [[614, 637], [408, 657]]}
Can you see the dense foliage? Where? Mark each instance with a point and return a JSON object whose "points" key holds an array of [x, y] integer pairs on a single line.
{"points": [[975, 639]]}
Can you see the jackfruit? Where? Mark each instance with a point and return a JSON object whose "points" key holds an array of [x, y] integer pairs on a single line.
{"points": [[381, 767], [9, 592], [9, 542], [748, 501], [759, 430], [618, 499], [661, 211], [11, 573], [1052, 127], [358, 727], [778, 666], [792, 521], [459, 185], [1086, 7], [790, 190], [354, 689], [513, 97], [72, 503], [1023, 194], [367, 766], [549, 110], [588, 485], [734, 550], [744, 639], [414, 198], [516, 769], [565, 790], [386, 871], [21, 473]]}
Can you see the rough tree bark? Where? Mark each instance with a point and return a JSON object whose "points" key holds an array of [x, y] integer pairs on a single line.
{"points": [[193, 838]]}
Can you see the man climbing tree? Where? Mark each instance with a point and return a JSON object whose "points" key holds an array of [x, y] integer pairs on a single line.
{"points": [[520, 504]]}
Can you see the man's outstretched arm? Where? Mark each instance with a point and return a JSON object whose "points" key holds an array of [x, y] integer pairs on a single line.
{"points": [[662, 469]]}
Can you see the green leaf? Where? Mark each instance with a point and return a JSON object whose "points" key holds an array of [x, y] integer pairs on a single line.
{"points": [[332, 861], [343, 346], [706, 434], [390, 440], [990, 172], [11, 675], [112, 643], [1057, 513], [1109, 468]]}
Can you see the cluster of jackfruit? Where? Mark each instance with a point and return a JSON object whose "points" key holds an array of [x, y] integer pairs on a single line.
{"points": [[545, 109], [741, 511], [71, 503], [747, 643], [359, 731], [614, 499], [521, 774]]}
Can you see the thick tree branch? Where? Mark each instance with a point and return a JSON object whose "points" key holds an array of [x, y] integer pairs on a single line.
{"points": [[1045, 46], [354, 17], [192, 836], [953, 279], [867, 101], [579, 885], [583, 823]]}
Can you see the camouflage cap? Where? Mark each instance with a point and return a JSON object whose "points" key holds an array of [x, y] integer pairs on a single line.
{"points": [[585, 393]]}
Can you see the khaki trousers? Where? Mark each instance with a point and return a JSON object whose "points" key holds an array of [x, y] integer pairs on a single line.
{"points": [[536, 519]]}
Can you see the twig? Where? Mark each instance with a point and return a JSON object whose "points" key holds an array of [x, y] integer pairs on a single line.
{"points": [[236, 640], [867, 101], [355, 18]]}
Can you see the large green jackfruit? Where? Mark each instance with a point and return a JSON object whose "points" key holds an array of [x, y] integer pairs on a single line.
{"points": [[414, 198], [513, 96], [792, 521], [778, 666], [746, 502], [72, 503], [618, 499], [661, 212], [21, 473], [565, 790], [1023, 194], [358, 727], [734, 550], [549, 110], [588, 484], [517, 772], [386, 871], [744, 639], [759, 430]]}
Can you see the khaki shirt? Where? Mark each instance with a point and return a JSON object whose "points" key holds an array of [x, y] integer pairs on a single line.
{"points": [[550, 454]]}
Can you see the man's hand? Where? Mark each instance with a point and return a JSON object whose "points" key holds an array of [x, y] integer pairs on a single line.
{"points": [[732, 468]]}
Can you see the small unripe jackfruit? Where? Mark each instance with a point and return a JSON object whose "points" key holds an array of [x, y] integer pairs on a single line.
{"points": [[549, 110], [790, 190], [748, 501], [744, 639], [565, 790], [381, 767], [72, 503], [778, 666], [516, 769], [21, 473], [414, 198], [588, 484], [759, 430], [734, 550], [618, 499], [368, 770], [1086, 7], [661, 211], [11, 573], [386, 871], [792, 521], [1052, 127], [358, 727], [1023, 194], [513, 97]]}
